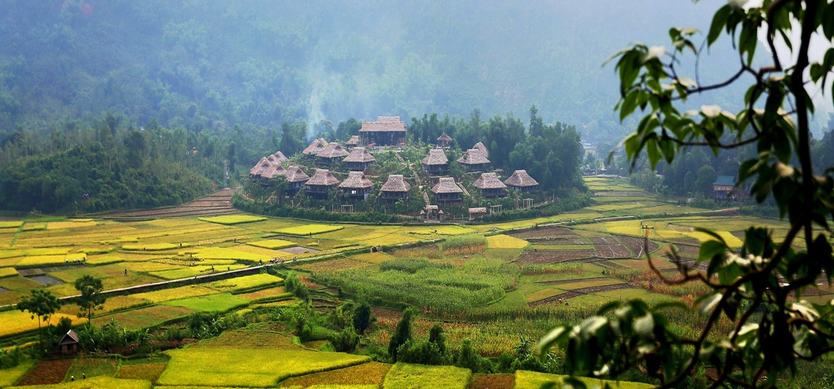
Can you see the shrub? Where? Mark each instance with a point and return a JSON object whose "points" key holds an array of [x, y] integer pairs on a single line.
{"points": [[402, 334], [425, 353], [345, 340], [469, 358], [362, 317]]}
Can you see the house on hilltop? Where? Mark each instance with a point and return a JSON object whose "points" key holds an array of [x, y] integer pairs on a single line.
{"points": [[295, 179], [320, 184], [314, 147], [396, 188], [724, 188], [490, 185], [521, 180], [384, 131], [474, 160], [359, 159], [444, 140], [436, 162], [356, 186], [447, 191], [482, 148], [331, 154]]}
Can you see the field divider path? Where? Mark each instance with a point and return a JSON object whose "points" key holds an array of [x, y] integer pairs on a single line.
{"points": [[579, 292]]}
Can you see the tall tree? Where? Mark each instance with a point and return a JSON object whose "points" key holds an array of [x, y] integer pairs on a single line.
{"points": [[40, 303], [91, 297], [402, 333], [756, 288]]}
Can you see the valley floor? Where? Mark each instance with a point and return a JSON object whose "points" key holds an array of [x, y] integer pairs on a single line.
{"points": [[492, 284]]}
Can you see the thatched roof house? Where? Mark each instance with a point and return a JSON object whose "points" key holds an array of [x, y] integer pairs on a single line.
{"points": [[295, 178], [359, 159], [521, 180], [356, 185], [490, 185], [315, 146], [352, 141], [320, 183], [278, 157], [482, 147], [69, 343], [384, 131], [436, 161], [474, 160], [331, 153], [446, 190], [444, 140], [267, 169], [395, 188]]}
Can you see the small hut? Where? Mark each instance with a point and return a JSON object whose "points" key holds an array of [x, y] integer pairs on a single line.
{"points": [[69, 343], [444, 140], [480, 146], [384, 131], [477, 213], [521, 180], [356, 186], [447, 191], [359, 159], [295, 178], [396, 188], [319, 185], [431, 212], [352, 142], [315, 146], [474, 160], [331, 153], [436, 162], [490, 185]]}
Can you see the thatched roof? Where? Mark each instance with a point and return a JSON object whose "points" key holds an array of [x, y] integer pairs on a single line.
{"points": [[520, 179], [278, 157], [267, 168], [359, 154], [446, 185], [478, 211], [436, 157], [356, 180], [295, 174], [396, 183], [489, 181], [444, 138], [353, 141], [322, 177], [473, 157], [332, 150], [384, 124], [315, 146], [480, 146]]}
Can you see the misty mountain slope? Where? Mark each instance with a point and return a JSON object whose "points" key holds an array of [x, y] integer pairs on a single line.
{"points": [[259, 63]]}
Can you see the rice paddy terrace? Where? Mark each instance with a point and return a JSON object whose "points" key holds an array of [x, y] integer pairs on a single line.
{"points": [[488, 283]]}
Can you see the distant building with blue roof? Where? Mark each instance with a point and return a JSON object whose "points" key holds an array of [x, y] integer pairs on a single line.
{"points": [[724, 188]]}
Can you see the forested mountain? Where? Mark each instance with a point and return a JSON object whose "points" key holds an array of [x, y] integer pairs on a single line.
{"points": [[256, 64]]}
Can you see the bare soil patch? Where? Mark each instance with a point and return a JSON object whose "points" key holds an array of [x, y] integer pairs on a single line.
{"points": [[47, 371]]}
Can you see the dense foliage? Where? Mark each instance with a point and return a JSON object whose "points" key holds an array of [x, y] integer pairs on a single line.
{"points": [[758, 288], [107, 166]]}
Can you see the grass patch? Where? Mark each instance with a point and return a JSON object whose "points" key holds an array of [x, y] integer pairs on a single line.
{"points": [[272, 243], [534, 380], [94, 383], [371, 373], [232, 219], [191, 271], [74, 223], [7, 272], [220, 302], [93, 367], [309, 229], [253, 367], [149, 246], [10, 223], [145, 317], [11, 375], [15, 322], [442, 230], [406, 375], [505, 242], [246, 282], [175, 293], [141, 371]]}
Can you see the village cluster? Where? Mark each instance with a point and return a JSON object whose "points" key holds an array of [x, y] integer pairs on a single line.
{"points": [[354, 159]]}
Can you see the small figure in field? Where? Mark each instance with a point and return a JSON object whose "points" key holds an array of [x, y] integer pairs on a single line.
{"points": [[125, 271], [228, 268], [72, 378], [83, 376], [212, 268]]}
